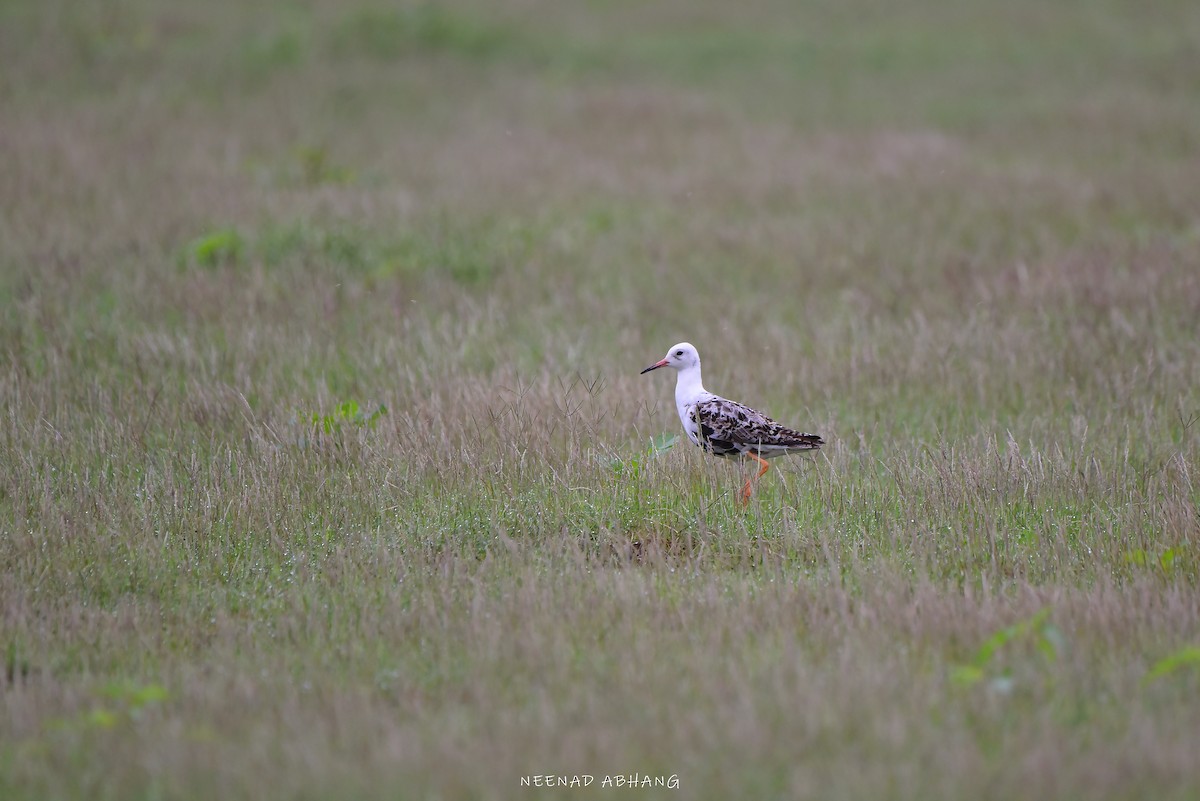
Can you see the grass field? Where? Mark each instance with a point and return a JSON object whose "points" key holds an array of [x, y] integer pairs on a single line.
{"points": [[327, 471]]}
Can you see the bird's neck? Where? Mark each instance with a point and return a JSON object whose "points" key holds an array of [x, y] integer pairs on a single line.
{"points": [[688, 386]]}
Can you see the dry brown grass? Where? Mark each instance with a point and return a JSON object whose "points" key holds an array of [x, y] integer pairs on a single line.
{"points": [[961, 246]]}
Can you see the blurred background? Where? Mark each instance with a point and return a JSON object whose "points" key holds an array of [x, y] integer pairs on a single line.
{"points": [[327, 456]]}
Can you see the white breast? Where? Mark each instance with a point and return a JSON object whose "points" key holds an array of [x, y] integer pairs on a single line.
{"points": [[690, 426], [689, 390]]}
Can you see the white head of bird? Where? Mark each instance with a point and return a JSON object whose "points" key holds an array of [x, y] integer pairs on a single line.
{"points": [[685, 360], [681, 357]]}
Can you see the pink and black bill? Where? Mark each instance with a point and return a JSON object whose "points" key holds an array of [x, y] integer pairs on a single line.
{"points": [[654, 366]]}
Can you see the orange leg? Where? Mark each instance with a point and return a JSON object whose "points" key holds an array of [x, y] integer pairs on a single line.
{"points": [[748, 489]]}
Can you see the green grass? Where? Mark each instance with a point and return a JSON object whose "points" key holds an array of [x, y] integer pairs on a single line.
{"points": [[328, 471]]}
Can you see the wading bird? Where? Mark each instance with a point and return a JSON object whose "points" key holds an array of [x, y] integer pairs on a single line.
{"points": [[724, 427]]}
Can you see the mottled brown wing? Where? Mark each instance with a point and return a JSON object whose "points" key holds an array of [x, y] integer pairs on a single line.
{"points": [[729, 424]]}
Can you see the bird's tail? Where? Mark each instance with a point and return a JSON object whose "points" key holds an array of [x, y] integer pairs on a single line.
{"points": [[809, 441]]}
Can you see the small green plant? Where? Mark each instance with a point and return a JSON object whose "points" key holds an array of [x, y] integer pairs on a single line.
{"points": [[316, 166], [1182, 659], [1037, 630], [347, 413], [125, 701], [633, 465], [1166, 561], [663, 442], [224, 246], [16, 666]]}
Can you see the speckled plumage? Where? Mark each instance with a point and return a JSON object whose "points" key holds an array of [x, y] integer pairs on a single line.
{"points": [[727, 428], [724, 427]]}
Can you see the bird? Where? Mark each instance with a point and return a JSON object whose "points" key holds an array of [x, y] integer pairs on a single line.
{"points": [[727, 428]]}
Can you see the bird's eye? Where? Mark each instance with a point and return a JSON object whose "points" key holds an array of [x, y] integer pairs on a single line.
{"points": [[678, 353]]}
